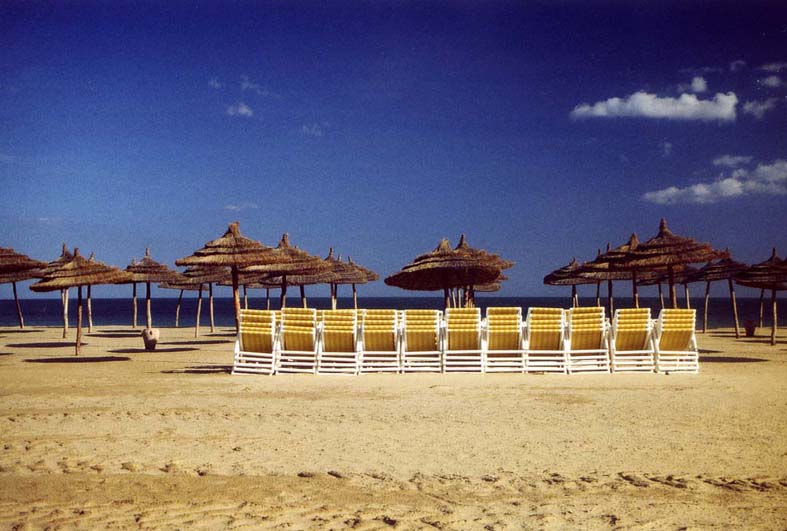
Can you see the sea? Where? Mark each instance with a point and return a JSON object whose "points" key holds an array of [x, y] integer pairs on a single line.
{"points": [[118, 311]]}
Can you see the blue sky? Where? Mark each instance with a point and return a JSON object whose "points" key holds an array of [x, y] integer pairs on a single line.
{"points": [[540, 130]]}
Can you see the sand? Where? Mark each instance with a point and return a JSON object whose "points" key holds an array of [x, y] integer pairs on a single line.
{"points": [[129, 439]]}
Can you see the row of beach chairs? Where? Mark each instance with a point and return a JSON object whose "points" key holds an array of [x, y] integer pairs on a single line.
{"points": [[547, 340]]}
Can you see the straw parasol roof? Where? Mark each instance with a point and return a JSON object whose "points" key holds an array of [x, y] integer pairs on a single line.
{"points": [[232, 250], [444, 268], [290, 261], [724, 269], [79, 272], [148, 270], [568, 275], [14, 262], [55, 264], [666, 250]]}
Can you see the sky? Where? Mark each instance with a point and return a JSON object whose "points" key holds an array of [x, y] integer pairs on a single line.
{"points": [[540, 130]]}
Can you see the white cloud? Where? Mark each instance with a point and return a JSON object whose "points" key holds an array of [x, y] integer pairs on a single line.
{"points": [[643, 104], [737, 66], [697, 85], [774, 67], [248, 84], [242, 206], [666, 149], [214, 83], [772, 81], [312, 130], [765, 179], [731, 161], [759, 108], [240, 109]]}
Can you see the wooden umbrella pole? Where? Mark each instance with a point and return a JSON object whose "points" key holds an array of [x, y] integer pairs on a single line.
{"points": [[199, 311], [18, 308], [661, 296], [574, 295], [598, 294], [355, 297], [774, 325], [734, 308], [79, 320], [235, 297], [673, 293], [89, 310], [134, 305], [267, 298], [283, 297], [65, 312], [705, 313], [245, 297], [148, 315], [302, 290], [333, 295], [610, 299], [210, 307], [634, 288], [447, 298], [686, 295], [762, 305], [177, 310]]}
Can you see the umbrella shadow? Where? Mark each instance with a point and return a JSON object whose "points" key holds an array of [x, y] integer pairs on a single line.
{"points": [[65, 344], [229, 334], [25, 331], [78, 359], [730, 359], [202, 369], [6, 353], [114, 335], [196, 342], [708, 351], [144, 351]]}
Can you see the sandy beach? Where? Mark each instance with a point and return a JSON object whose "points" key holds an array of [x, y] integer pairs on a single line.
{"points": [[121, 438]]}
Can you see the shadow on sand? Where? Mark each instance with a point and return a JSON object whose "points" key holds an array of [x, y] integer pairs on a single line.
{"points": [[196, 342], [708, 351], [143, 351], [25, 331], [114, 335], [729, 359], [6, 353], [78, 359], [63, 344], [202, 369]]}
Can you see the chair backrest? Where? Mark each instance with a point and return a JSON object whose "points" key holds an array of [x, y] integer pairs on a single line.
{"points": [[379, 330], [631, 328], [586, 327], [339, 329], [676, 328], [545, 328], [298, 328], [463, 328], [422, 330], [504, 328], [257, 330]]}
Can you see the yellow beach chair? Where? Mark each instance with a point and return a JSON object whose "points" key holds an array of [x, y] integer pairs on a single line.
{"points": [[675, 343], [380, 341], [338, 345], [544, 341], [422, 341], [631, 341], [255, 346], [298, 341], [504, 347], [587, 349], [462, 350]]}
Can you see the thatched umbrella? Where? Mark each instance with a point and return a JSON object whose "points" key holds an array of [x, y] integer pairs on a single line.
{"points": [[681, 275], [232, 250], [185, 284], [54, 265], [290, 261], [366, 274], [148, 270], [343, 273], [207, 275], [16, 267], [569, 275], [599, 270], [445, 268], [770, 274], [79, 272], [667, 251], [724, 269]]}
